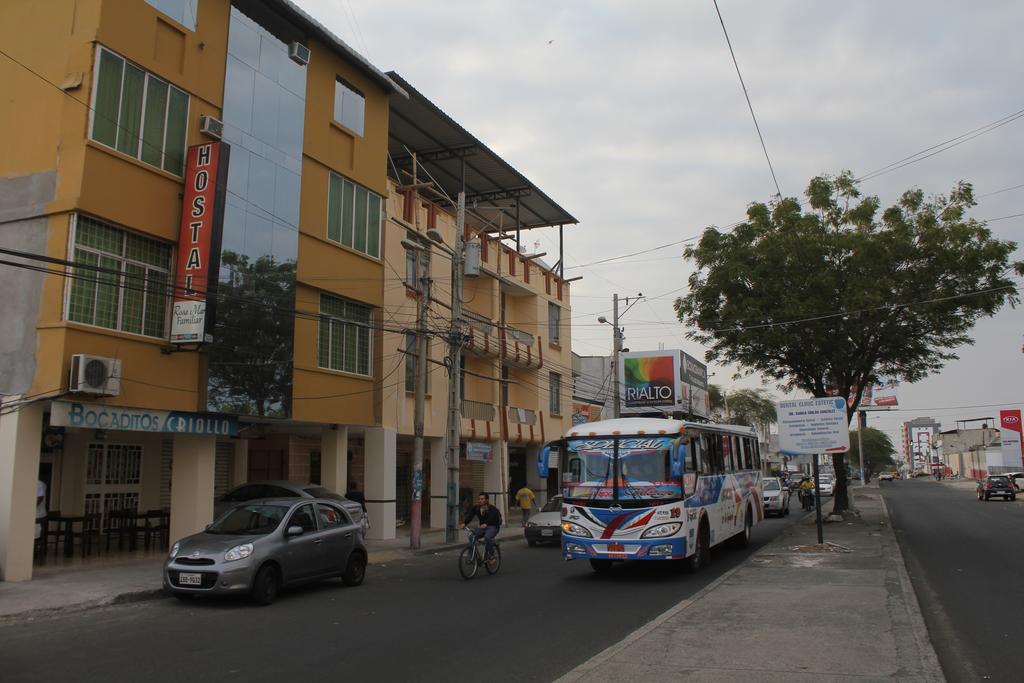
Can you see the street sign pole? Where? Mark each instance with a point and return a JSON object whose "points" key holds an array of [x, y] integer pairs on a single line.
{"points": [[817, 500]]}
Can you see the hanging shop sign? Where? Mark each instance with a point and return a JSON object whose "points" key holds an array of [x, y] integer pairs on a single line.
{"points": [[476, 450], [202, 222], [100, 416]]}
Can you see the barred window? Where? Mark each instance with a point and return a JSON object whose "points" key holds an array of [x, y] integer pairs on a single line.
{"points": [[344, 335], [131, 291], [554, 322], [555, 386]]}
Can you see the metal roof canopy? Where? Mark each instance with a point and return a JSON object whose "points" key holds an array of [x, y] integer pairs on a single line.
{"points": [[445, 148]]}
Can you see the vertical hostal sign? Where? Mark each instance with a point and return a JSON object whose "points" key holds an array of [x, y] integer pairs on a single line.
{"points": [[202, 221]]}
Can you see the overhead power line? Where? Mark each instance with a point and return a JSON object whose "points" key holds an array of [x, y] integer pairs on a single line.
{"points": [[749, 105]]}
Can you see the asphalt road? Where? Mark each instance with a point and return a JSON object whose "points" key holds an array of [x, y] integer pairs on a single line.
{"points": [[416, 619], [966, 560]]}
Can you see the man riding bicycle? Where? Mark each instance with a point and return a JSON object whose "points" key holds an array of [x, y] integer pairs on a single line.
{"points": [[490, 523]]}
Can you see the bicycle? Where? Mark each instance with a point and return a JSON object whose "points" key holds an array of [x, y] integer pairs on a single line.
{"points": [[472, 558]]}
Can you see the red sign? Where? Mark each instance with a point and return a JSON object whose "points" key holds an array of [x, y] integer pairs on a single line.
{"points": [[199, 239], [1010, 437]]}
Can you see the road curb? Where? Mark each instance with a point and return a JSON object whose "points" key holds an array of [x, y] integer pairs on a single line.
{"points": [[108, 601], [929, 658]]}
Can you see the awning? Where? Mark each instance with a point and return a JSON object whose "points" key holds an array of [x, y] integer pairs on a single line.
{"points": [[447, 150]]}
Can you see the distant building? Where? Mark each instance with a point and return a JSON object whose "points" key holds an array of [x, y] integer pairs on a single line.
{"points": [[971, 453], [917, 443]]}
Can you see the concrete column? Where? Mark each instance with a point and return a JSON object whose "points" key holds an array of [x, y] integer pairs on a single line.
{"points": [[334, 459], [379, 473], [192, 475], [240, 466], [496, 477], [20, 433], [438, 482]]}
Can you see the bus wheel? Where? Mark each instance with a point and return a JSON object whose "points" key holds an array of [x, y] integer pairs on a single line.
{"points": [[601, 566], [742, 539], [702, 553]]}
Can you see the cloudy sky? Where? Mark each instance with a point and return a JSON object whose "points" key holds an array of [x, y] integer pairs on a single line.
{"points": [[631, 116]]}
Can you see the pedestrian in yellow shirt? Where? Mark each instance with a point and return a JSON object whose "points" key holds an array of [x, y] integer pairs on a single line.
{"points": [[526, 499]]}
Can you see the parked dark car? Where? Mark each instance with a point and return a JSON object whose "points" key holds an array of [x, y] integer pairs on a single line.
{"points": [[258, 548], [262, 490], [996, 485]]}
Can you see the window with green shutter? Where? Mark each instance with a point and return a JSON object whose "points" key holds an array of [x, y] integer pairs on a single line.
{"points": [[126, 287], [139, 114], [353, 216], [343, 339]]}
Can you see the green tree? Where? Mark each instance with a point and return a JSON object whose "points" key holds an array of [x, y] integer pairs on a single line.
{"points": [[751, 407], [827, 299], [878, 451]]}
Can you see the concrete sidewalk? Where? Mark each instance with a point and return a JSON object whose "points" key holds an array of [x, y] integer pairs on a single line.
{"points": [[59, 587], [793, 611]]}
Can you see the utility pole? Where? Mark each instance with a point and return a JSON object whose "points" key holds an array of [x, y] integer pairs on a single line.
{"points": [[416, 509], [617, 337], [616, 349], [455, 373]]}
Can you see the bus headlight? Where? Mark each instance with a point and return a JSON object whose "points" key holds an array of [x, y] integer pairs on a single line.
{"points": [[662, 530], [576, 530]]}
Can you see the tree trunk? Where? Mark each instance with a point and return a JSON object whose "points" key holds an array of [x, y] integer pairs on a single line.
{"points": [[840, 497]]}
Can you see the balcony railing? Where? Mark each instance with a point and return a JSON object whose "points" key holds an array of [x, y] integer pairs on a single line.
{"points": [[523, 425], [524, 416], [480, 336], [477, 410], [519, 336], [517, 349]]}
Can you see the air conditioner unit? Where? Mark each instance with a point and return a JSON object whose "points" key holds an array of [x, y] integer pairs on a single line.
{"points": [[211, 126], [95, 375], [298, 53]]}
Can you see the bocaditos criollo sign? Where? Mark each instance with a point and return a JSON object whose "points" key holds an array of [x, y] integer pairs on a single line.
{"points": [[202, 221]]}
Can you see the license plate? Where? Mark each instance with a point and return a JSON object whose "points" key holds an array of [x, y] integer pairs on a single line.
{"points": [[190, 579], [547, 532], [616, 548]]}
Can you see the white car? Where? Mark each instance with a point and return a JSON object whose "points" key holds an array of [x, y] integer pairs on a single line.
{"points": [[776, 496], [545, 526], [826, 486]]}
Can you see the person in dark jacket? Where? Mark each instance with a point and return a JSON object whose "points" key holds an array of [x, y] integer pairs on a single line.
{"points": [[490, 522], [355, 495]]}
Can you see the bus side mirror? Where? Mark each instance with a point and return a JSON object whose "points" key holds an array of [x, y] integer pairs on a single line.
{"points": [[679, 460], [542, 462]]}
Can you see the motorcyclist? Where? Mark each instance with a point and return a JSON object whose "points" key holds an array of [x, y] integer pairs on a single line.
{"points": [[807, 493]]}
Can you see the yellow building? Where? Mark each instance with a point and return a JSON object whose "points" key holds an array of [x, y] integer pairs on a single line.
{"points": [[128, 386]]}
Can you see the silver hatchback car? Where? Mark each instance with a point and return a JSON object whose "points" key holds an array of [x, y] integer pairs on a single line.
{"points": [[259, 547]]}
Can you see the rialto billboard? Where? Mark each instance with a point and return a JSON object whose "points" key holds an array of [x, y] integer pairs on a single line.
{"points": [[202, 220], [663, 382]]}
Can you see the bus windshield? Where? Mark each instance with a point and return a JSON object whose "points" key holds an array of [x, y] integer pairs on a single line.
{"points": [[639, 469]]}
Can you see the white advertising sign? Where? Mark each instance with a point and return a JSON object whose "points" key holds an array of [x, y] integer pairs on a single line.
{"points": [[813, 425]]}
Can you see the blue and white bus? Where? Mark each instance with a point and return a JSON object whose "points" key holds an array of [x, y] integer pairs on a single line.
{"points": [[655, 489]]}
